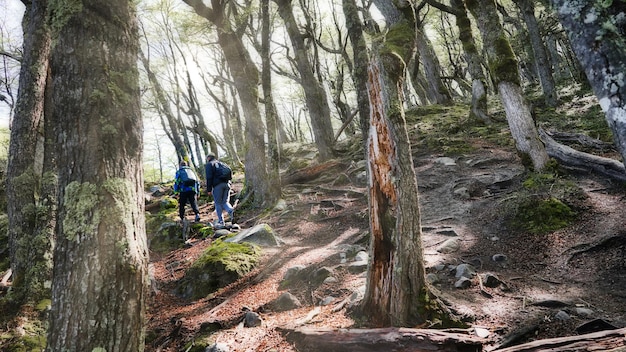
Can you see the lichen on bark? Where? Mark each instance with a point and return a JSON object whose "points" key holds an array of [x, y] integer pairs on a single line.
{"points": [[82, 214]]}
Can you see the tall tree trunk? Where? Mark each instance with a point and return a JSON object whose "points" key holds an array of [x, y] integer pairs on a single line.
{"points": [[503, 67], [316, 99], [101, 255], [542, 64], [360, 58], [474, 62], [597, 33], [396, 292], [30, 250], [437, 91], [271, 115], [246, 79]]}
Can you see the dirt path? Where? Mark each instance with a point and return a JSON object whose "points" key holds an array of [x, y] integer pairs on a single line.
{"points": [[459, 199]]}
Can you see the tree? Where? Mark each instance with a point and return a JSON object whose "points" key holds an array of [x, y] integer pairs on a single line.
{"points": [[542, 64], [597, 32], [30, 250], [101, 257], [246, 78], [316, 99], [396, 293], [504, 72]]}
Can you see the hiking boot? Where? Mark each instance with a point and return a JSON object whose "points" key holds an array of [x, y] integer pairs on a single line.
{"points": [[231, 217], [197, 217]]}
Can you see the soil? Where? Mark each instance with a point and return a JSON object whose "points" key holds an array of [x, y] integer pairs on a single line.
{"points": [[580, 266]]}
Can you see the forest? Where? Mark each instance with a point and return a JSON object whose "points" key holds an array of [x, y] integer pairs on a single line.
{"points": [[385, 142]]}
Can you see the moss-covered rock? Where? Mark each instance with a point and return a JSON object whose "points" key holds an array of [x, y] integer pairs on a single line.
{"points": [[169, 236], [220, 265]]}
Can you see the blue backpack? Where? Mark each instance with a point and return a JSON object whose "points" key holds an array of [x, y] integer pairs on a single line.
{"points": [[188, 177]]}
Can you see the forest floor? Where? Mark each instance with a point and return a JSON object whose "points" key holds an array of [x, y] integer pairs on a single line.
{"points": [[551, 283]]}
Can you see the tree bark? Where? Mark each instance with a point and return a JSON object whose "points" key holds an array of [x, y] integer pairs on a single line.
{"points": [[542, 64], [437, 91], [597, 34], [30, 250], [396, 288], [474, 62], [384, 339], [101, 257], [503, 68], [316, 99]]}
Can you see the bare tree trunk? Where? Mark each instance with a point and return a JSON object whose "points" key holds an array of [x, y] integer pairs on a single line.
{"points": [[600, 44], [101, 257], [360, 58], [246, 79], [474, 62], [271, 115], [542, 64], [504, 72], [316, 99], [435, 88], [396, 291], [30, 249]]}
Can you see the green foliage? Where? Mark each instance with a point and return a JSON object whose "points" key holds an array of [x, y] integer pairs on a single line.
{"points": [[546, 202], [449, 130]]}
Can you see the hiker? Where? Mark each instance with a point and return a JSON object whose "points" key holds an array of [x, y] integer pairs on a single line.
{"points": [[186, 184], [218, 176]]}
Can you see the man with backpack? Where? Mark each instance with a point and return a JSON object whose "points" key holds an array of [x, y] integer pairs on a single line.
{"points": [[218, 176], [187, 185]]}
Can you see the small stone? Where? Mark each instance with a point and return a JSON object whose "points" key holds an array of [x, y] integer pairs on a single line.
{"points": [[361, 256], [481, 332], [327, 300], [218, 347], [449, 246], [499, 258], [432, 278], [463, 283], [330, 280], [293, 271], [491, 280], [562, 316], [251, 320], [584, 312], [464, 270]]}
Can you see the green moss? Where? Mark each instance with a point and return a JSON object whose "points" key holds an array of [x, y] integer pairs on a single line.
{"points": [[81, 207], [61, 11], [236, 257], [544, 216], [399, 40], [504, 66], [43, 304]]}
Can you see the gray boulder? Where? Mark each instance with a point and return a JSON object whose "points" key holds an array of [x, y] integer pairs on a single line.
{"points": [[261, 234]]}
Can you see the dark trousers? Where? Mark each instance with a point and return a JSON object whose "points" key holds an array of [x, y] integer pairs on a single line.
{"points": [[182, 201]]}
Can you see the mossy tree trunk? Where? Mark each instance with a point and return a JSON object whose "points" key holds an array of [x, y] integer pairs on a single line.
{"points": [[30, 249], [315, 95], [542, 63], [101, 257], [505, 74], [246, 79], [597, 31], [396, 291]]}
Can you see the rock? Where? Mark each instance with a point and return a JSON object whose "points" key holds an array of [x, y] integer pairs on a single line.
{"points": [[285, 302], [261, 234], [499, 258], [357, 267], [218, 347], [293, 272], [462, 193], [562, 316], [491, 280], [327, 300], [361, 256], [321, 274], [280, 205], [449, 246], [432, 278], [445, 161], [463, 283], [584, 312], [481, 332], [251, 320], [464, 270], [330, 280], [221, 233]]}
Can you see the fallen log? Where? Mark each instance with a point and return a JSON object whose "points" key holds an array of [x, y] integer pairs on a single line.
{"points": [[311, 172], [383, 339], [571, 157], [608, 340]]}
